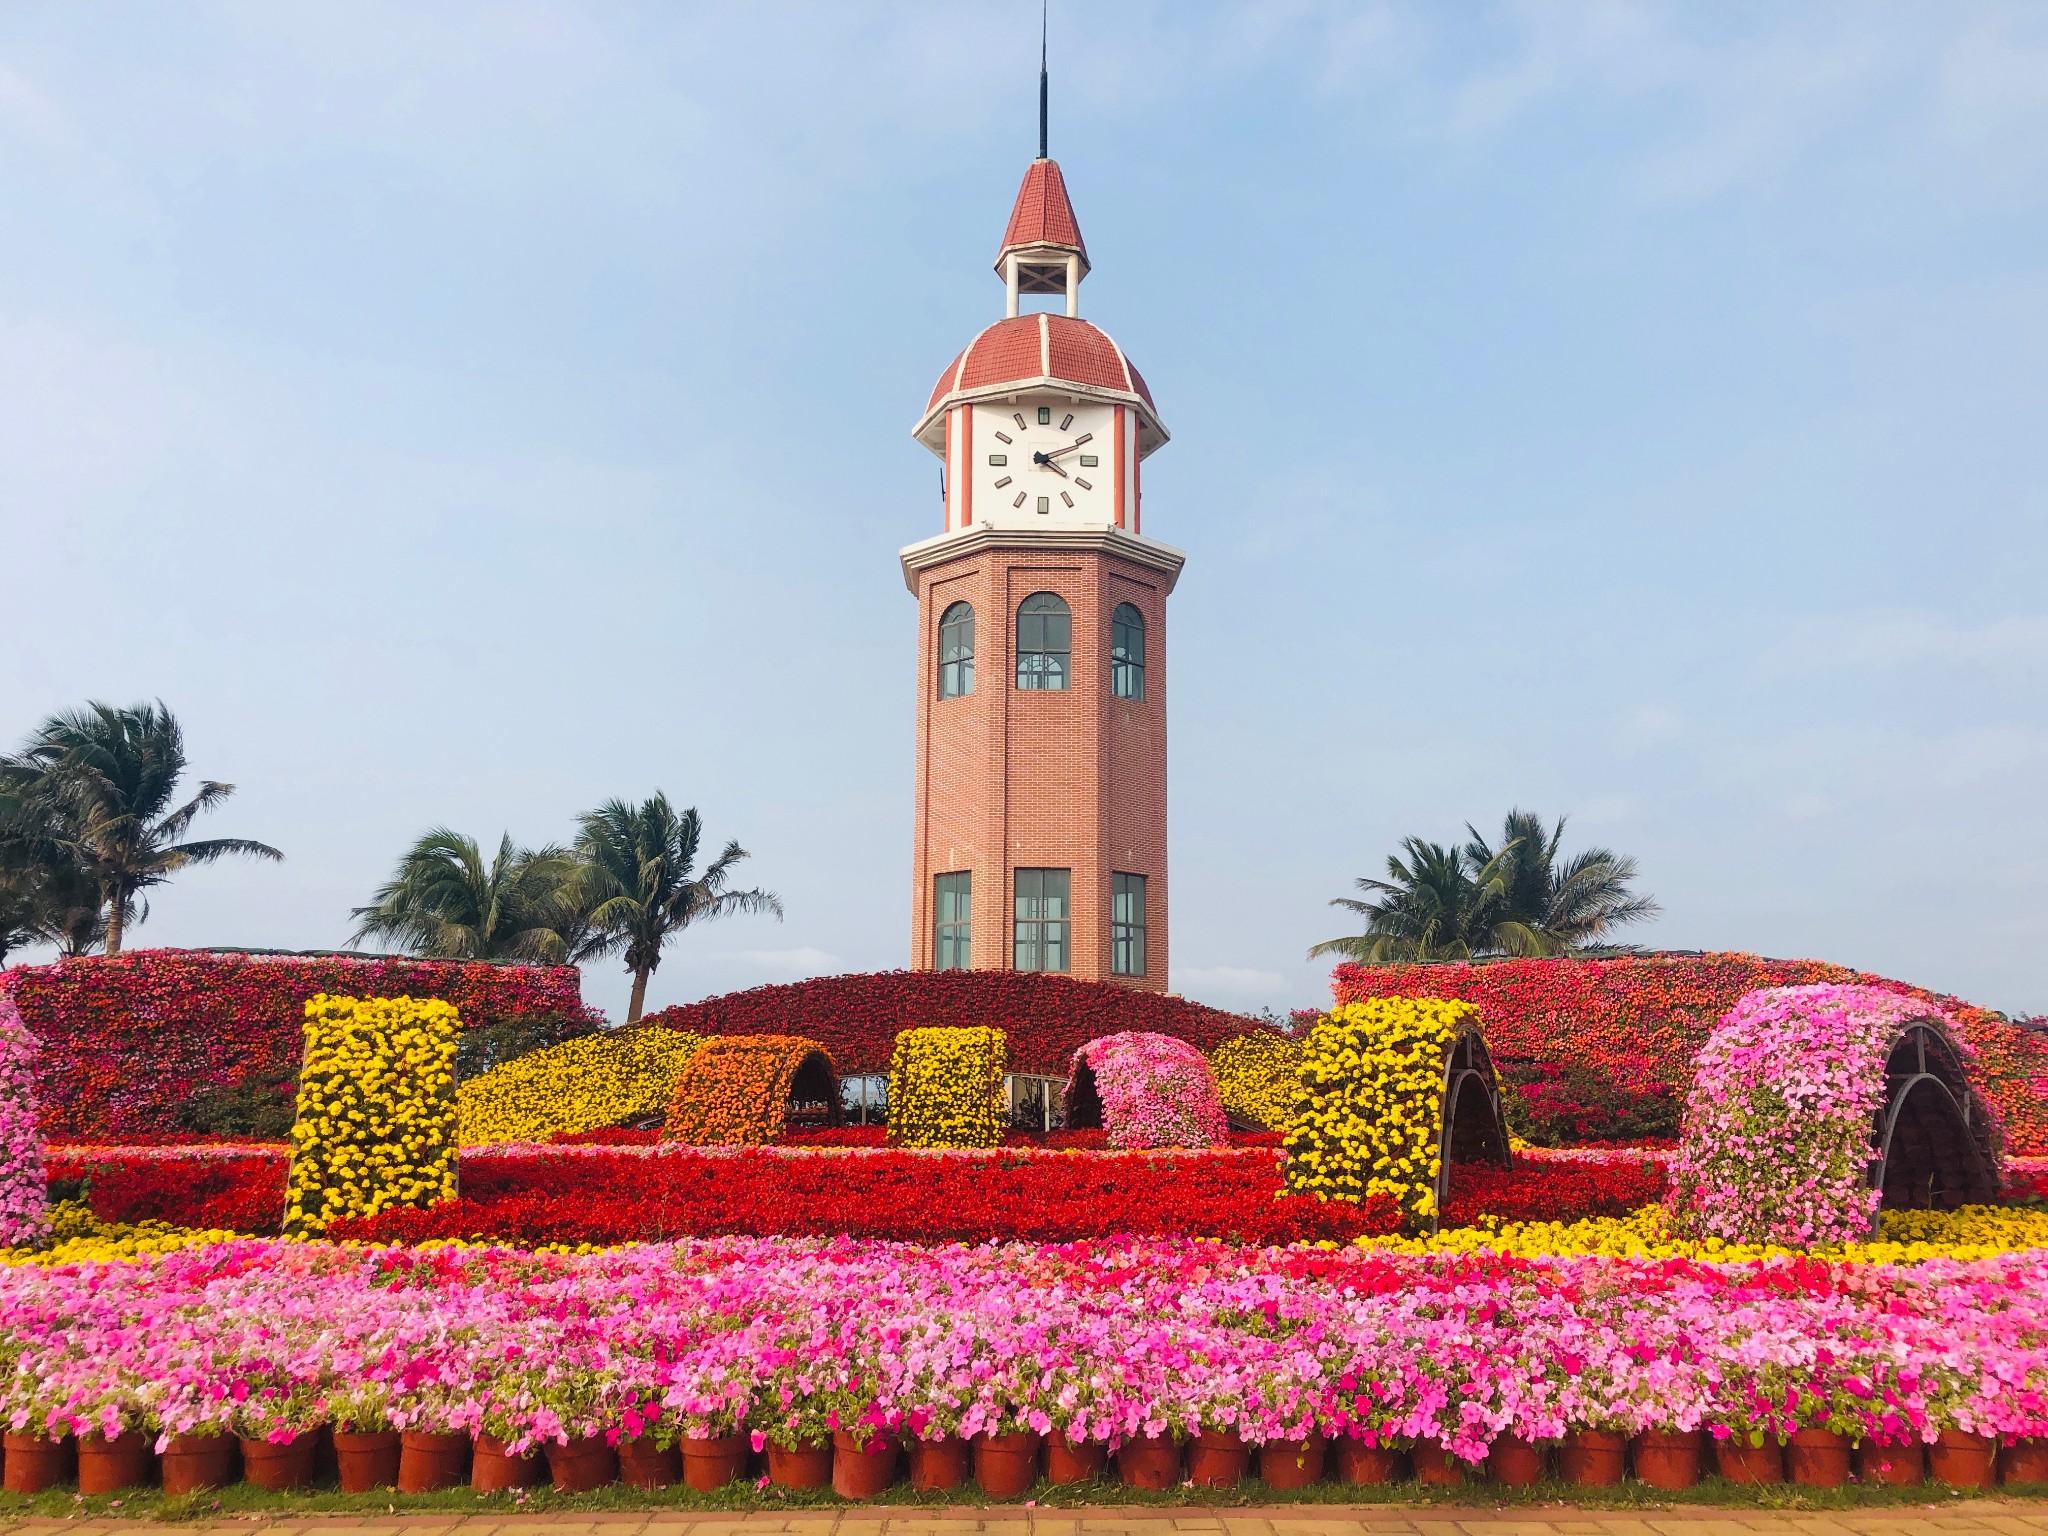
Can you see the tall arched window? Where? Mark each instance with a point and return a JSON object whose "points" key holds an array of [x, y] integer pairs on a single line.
{"points": [[1045, 641], [956, 651], [1127, 652]]}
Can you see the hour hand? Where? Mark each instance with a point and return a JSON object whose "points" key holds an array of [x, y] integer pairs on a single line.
{"points": [[1046, 460]]}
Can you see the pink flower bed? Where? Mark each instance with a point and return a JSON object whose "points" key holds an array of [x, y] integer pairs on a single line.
{"points": [[1776, 1139], [1156, 1091], [24, 1216]]}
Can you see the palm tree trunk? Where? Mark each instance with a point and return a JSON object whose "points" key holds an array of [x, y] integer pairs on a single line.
{"points": [[639, 997], [114, 914]]}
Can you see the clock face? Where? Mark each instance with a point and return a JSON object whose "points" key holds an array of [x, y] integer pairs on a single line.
{"points": [[1038, 463]]}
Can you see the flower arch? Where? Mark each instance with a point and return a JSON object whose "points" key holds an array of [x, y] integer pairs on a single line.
{"points": [[1145, 1090], [746, 1089], [1813, 1107]]}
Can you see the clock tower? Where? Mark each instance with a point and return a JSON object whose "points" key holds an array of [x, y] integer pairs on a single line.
{"points": [[1040, 839]]}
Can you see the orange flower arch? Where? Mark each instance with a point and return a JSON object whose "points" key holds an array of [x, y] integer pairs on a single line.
{"points": [[744, 1089]]}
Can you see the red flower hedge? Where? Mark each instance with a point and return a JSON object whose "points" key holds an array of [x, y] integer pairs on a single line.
{"points": [[128, 1040], [1047, 1017], [1590, 1049], [237, 1192]]}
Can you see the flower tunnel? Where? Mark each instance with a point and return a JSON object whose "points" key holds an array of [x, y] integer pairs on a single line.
{"points": [[749, 1089], [1145, 1090], [1814, 1107]]}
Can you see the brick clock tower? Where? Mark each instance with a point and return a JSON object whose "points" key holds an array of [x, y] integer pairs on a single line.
{"points": [[1041, 652]]}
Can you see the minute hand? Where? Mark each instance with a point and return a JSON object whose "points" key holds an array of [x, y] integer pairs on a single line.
{"points": [[1076, 443], [1046, 460]]}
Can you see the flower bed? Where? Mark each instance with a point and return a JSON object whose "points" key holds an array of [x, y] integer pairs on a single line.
{"points": [[1591, 1049], [945, 1087], [23, 1216], [1046, 1017], [1146, 1091], [581, 1085], [1101, 1341], [133, 1042], [376, 1126]]}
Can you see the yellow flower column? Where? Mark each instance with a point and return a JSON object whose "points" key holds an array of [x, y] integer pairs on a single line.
{"points": [[1257, 1077], [377, 1118], [946, 1087], [1369, 1117]]}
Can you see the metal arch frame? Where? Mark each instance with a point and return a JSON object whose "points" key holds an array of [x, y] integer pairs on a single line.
{"points": [[1885, 1123], [1457, 1078]]}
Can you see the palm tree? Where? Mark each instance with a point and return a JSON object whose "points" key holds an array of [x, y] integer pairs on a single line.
{"points": [[1451, 903], [445, 902], [1571, 904], [99, 784], [640, 862]]}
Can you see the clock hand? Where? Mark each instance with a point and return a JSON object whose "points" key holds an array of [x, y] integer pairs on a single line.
{"points": [[1046, 460], [1076, 443]]}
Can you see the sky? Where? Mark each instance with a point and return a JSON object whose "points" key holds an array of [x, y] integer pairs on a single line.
{"points": [[468, 413]]}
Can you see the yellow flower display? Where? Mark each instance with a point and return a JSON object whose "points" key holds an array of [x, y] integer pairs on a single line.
{"points": [[1258, 1077], [583, 1084], [946, 1087], [79, 1237], [1369, 1119], [376, 1116]]}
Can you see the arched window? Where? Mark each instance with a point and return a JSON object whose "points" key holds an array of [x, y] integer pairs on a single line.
{"points": [[1127, 652], [1045, 641], [956, 651]]}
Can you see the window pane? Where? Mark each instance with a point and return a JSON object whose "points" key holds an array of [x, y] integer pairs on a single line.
{"points": [[956, 651], [952, 926], [1127, 925], [1039, 941], [1044, 641]]}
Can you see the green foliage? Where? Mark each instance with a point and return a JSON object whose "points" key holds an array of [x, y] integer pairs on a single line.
{"points": [[477, 1051], [445, 902], [248, 1111]]}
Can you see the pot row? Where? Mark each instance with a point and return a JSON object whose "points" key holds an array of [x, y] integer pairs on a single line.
{"points": [[1005, 1466]]}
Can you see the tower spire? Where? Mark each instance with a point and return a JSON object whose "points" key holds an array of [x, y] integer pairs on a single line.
{"points": [[1044, 9]]}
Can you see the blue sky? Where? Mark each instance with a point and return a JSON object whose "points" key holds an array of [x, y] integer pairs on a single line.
{"points": [[467, 413]]}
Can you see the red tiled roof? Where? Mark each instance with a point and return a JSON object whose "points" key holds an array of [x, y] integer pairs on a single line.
{"points": [[1043, 216], [1040, 346]]}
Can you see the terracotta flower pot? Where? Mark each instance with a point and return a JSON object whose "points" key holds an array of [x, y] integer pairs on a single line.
{"points": [[108, 1466], [1293, 1463], [428, 1463], [193, 1462], [581, 1465], [366, 1461], [1434, 1465], [803, 1466], [1817, 1458], [1961, 1459], [279, 1468], [1592, 1458], [1006, 1466], [1514, 1462], [493, 1469], [644, 1465], [1361, 1465], [1891, 1466], [34, 1463], [1218, 1458], [2023, 1461], [863, 1465], [938, 1464], [1149, 1461], [1740, 1462], [1667, 1458]]}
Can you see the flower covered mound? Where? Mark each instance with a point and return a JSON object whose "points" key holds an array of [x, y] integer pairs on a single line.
{"points": [[24, 1216], [945, 1087], [1370, 1117], [1778, 1123], [1258, 1077], [1148, 1091], [376, 1125], [581, 1085], [788, 1339], [736, 1092]]}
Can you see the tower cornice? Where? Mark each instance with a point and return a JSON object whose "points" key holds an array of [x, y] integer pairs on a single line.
{"points": [[983, 539]]}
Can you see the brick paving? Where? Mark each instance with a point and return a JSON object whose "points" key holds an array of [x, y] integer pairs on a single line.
{"points": [[1954, 1518]]}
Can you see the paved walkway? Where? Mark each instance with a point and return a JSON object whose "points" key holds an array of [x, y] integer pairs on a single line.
{"points": [[1953, 1518]]}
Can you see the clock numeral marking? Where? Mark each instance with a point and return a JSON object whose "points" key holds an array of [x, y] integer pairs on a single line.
{"points": [[1067, 423], [1089, 460], [1085, 485], [1066, 498], [1020, 500], [1085, 437], [1045, 415], [1018, 417], [1002, 437], [1005, 481], [998, 460], [1045, 504]]}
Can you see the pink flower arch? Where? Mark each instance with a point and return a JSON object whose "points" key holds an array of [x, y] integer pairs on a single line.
{"points": [[1145, 1090]]}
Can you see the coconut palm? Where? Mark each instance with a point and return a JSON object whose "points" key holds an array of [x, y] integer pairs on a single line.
{"points": [[1464, 903], [98, 786], [445, 902], [643, 888]]}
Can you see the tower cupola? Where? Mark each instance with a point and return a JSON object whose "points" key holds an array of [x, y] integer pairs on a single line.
{"points": [[1043, 251]]}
